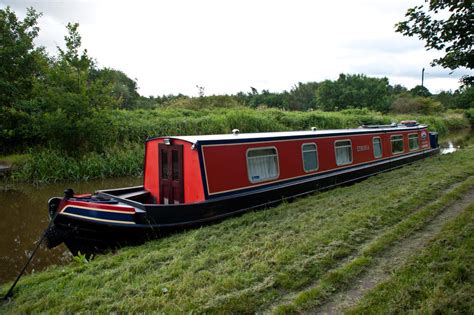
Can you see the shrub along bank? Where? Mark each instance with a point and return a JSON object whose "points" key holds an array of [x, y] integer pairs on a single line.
{"points": [[115, 144], [260, 260]]}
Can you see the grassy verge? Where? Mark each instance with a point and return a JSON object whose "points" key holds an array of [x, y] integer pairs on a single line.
{"points": [[132, 127], [342, 276], [438, 281], [248, 263]]}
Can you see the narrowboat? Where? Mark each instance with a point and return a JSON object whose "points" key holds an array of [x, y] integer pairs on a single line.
{"points": [[193, 180]]}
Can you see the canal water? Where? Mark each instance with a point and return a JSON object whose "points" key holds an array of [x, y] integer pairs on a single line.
{"points": [[456, 140], [24, 216]]}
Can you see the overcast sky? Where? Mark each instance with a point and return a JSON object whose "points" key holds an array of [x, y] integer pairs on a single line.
{"points": [[229, 46]]}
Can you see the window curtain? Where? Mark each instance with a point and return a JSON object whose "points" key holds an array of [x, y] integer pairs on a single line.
{"points": [[262, 167], [377, 148], [343, 155]]}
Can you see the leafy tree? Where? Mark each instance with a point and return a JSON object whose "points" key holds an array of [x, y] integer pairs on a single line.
{"points": [[405, 104], [397, 89], [124, 89], [303, 96], [464, 97], [69, 76], [447, 98], [444, 25], [354, 91], [20, 60], [420, 90], [70, 99]]}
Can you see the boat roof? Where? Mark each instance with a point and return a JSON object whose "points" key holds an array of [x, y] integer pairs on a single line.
{"points": [[249, 137]]}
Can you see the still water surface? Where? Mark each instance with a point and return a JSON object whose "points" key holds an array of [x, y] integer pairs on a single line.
{"points": [[456, 140], [24, 216]]}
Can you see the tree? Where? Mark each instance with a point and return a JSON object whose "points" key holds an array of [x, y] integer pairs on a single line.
{"points": [[354, 91], [303, 96], [405, 104], [20, 60], [465, 97], [420, 90], [71, 100], [444, 25], [124, 89]]}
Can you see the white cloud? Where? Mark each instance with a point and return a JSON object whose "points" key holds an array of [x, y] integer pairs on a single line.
{"points": [[228, 46]]}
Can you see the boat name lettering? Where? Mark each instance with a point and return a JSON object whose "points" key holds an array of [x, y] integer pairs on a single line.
{"points": [[363, 148]]}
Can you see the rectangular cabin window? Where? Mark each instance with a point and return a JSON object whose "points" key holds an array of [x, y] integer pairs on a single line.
{"points": [[310, 157], [413, 141], [377, 142], [164, 164], [175, 161], [397, 144], [343, 152], [262, 164]]}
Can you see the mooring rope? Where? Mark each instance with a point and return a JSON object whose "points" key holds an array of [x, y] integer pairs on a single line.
{"points": [[10, 292]]}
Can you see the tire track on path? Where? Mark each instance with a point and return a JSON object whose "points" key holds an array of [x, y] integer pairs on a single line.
{"points": [[393, 258]]}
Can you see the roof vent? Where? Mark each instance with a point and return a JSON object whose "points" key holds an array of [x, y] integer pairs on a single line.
{"points": [[409, 123], [235, 132], [314, 128]]}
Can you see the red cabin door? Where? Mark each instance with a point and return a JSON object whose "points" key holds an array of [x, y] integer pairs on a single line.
{"points": [[171, 173]]}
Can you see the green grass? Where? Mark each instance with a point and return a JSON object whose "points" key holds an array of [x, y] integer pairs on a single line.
{"points": [[341, 276], [253, 262], [440, 280]]}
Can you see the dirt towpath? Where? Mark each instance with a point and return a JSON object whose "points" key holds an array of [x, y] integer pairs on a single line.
{"points": [[393, 258]]}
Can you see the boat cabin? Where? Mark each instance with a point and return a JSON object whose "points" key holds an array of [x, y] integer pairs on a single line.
{"points": [[190, 169]]}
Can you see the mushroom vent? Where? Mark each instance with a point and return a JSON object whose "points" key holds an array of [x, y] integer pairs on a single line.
{"points": [[235, 132]]}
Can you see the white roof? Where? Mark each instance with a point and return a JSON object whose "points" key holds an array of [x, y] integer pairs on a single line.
{"points": [[288, 134]]}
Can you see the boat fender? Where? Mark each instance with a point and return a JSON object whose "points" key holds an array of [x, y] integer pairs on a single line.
{"points": [[55, 236]]}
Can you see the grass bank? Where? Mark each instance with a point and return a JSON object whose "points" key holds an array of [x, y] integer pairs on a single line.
{"points": [[122, 148], [341, 276], [440, 280], [261, 259]]}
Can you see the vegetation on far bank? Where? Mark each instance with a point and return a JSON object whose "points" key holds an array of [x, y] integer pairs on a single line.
{"points": [[260, 260], [120, 150]]}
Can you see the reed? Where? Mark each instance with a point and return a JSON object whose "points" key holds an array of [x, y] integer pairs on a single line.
{"points": [[50, 165]]}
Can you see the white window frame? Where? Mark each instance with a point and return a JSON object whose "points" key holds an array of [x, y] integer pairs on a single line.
{"points": [[253, 181], [373, 147], [317, 157], [417, 141], [352, 151], [391, 144]]}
